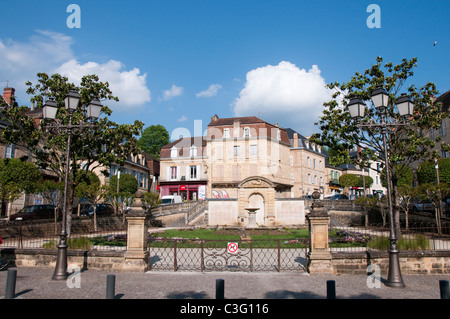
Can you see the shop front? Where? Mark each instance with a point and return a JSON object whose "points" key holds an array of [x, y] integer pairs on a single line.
{"points": [[187, 190]]}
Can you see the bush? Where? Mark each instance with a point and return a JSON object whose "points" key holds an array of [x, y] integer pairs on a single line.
{"points": [[417, 242], [73, 243]]}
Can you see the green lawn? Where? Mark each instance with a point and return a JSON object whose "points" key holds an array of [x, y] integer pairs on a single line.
{"points": [[218, 238]]}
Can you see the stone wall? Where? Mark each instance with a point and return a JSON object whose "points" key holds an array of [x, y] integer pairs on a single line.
{"points": [[97, 260], [411, 262], [223, 212], [289, 212]]}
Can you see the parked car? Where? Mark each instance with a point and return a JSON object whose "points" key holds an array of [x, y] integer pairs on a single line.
{"points": [[426, 206], [336, 197], [87, 209], [34, 212]]}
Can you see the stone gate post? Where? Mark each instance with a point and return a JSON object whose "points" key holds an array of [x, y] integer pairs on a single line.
{"points": [[319, 256], [137, 255]]}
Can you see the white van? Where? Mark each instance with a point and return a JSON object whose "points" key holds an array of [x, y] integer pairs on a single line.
{"points": [[170, 199]]}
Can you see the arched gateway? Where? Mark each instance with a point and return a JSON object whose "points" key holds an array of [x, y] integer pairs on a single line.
{"points": [[257, 192]]}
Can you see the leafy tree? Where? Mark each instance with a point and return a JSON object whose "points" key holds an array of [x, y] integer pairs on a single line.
{"points": [[17, 176], [348, 180], [404, 175], [366, 181], [407, 194], [101, 145], [128, 186], [426, 172], [151, 200], [87, 185], [340, 132], [435, 193], [368, 203], [153, 138]]}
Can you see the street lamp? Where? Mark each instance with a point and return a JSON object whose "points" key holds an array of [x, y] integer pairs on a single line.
{"points": [[380, 100], [49, 112]]}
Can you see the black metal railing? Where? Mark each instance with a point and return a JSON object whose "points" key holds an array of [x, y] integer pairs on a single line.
{"points": [[228, 255], [110, 234]]}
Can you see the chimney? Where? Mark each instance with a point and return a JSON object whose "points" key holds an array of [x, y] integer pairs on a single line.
{"points": [[295, 140], [8, 93], [214, 118]]}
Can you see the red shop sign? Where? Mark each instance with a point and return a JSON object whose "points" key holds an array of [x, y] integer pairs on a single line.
{"points": [[182, 187]]}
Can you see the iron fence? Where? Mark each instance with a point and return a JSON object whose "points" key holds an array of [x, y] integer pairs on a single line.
{"points": [[110, 234], [228, 255], [418, 236]]}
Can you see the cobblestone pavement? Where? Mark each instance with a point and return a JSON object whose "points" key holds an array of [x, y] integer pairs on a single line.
{"points": [[36, 283]]}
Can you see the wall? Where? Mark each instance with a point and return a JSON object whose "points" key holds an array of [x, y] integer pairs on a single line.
{"points": [[95, 260], [289, 212], [411, 262], [223, 212]]}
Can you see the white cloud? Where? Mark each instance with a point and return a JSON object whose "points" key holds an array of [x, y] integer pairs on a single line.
{"points": [[51, 52], [129, 86], [21, 61], [182, 119], [211, 91], [172, 92], [284, 94]]}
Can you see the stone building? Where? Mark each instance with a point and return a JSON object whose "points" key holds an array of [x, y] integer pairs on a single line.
{"points": [[183, 168], [244, 162]]}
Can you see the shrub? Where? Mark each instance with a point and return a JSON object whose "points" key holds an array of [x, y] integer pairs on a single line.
{"points": [[73, 243], [417, 242]]}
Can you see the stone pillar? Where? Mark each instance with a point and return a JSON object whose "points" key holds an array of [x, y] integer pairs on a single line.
{"points": [[137, 255], [319, 256]]}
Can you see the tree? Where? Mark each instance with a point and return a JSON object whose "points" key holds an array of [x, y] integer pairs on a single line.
{"points": [[153, 138], [407, 194], [101, 145], [426, 172], [128, 186], [17, 176], [348, 180], [91, 189], [404, 175], [150, 200], [434, 193], [406, 144]]}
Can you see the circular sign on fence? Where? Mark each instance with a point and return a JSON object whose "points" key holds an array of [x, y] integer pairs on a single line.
{"points": [[232, 248]]}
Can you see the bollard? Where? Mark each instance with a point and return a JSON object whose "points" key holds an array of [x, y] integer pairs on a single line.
{"points": [[220, 289], [331, 289], [445, 290], [110, 286], [11, 284]]}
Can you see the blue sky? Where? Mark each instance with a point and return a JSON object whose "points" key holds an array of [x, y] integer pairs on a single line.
{"points": [[177, 62]]}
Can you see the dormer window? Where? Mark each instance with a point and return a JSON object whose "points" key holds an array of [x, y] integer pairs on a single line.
{"points": [[173, 152], [247, 132], [193, 151]]}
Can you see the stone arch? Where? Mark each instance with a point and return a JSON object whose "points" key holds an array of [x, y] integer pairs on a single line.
{"points": [[256, 200], [256, 181]]}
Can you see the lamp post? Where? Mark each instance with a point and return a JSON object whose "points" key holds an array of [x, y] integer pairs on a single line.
{"points": [[49, 113], [380, 100]]}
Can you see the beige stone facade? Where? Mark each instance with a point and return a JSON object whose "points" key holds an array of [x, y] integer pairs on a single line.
{"points": [[258, 164]]}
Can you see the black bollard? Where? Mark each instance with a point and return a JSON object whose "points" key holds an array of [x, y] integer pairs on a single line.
{"points": [[331, 289], [220, 289], [110, 286], [445, 290], [11, 284]]}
